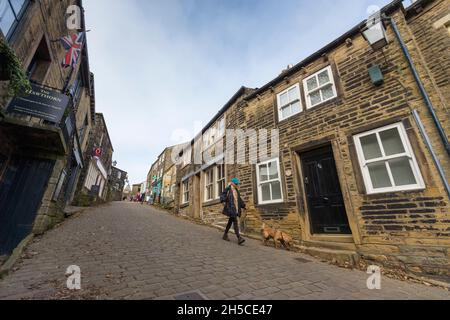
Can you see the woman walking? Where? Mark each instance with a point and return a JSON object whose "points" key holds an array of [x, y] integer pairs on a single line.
{"points": [[233, 208]]}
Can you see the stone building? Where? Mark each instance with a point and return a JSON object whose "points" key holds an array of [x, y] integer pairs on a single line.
{"points": [[202, 174], [363, 155], [93, 182], [161, 178], [117, 181], [40, 154]]}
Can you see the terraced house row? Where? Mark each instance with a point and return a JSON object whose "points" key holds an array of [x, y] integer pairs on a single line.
{"points": [[363, 153], [54, 147]]}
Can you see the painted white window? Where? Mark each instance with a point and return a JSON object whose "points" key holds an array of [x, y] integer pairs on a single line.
{"points": [[214, 133], [269, 182], [220, 179], [289, 103], [319, 87], [209, 184], [387, 161], [185, 195], [221, 128], [187, 157]]}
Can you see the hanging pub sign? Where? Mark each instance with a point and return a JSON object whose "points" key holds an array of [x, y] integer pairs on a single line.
{"points": [[40, 102]]}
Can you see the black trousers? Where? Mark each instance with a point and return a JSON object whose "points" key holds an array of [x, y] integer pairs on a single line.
{"points": [[233, 221]]}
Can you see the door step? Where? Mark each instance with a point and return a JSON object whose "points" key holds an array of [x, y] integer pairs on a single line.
{"points": [[340, 257]]}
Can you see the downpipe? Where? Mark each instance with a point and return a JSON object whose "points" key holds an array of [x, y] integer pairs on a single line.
{"points": [[433, 154], [421, 87]]}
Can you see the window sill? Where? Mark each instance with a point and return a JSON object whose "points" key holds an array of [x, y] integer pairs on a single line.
{"points": [[270, 204], [211, 202], [184, 205], [290, 117], [383, 194]]}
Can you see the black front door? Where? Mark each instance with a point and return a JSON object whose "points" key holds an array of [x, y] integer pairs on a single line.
{"points": [[325, 202], [21, 190]]}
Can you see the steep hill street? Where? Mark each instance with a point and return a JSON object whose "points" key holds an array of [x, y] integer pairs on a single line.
{"points": [[131, 251]]}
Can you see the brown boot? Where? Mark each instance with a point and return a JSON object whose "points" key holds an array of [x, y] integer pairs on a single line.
{"points": [[241, 241]]}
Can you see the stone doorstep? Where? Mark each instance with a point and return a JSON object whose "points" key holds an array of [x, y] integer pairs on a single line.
{"points": [[6, 267]]}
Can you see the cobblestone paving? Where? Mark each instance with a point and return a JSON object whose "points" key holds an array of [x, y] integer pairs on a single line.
{"points": [[131, 251]]}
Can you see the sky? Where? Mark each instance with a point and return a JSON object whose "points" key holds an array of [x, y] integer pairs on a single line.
{"points": [[164, 68]]}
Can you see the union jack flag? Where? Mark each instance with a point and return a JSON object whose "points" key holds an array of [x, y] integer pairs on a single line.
{"points": [[73, 44]]}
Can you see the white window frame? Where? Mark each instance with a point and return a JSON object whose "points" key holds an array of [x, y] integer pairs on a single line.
{"points": [[277, 160], [319, 88], [187, 155], [280, 113], [217, 180], [185, 189], [363, 163], [209, 183], [214, 133]]}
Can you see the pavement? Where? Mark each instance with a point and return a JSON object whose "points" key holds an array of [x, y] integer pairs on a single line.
{"points": [[132, 251]]}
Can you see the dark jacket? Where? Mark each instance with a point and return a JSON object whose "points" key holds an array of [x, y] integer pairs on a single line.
{"points": [[229, 209]]}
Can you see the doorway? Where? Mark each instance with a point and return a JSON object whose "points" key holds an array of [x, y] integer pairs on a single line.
{"points": [[327, 214], [21, 190]]}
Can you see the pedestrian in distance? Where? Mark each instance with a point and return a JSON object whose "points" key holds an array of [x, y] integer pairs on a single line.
{"points": [[233, 205]]}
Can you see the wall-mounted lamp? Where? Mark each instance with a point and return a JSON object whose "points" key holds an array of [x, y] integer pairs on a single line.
{"points": [[375, 33]]}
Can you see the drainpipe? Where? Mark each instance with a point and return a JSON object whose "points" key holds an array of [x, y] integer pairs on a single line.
{"points": [[421, 86], [433, 154]]}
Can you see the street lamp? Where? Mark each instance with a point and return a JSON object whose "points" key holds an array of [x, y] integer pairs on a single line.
{"points": [[375, 33]]}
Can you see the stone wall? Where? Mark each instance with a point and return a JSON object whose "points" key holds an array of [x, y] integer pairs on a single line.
{"points": [[407, 229]]}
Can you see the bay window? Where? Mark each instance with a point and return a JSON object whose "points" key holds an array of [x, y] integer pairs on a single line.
{"points": [[387, 161]]}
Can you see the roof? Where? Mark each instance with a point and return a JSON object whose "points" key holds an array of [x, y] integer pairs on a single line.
{"points": [[115, 168]]}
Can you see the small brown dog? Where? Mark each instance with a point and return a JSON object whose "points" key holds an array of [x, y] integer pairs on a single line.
{"points": [[277, 236]]}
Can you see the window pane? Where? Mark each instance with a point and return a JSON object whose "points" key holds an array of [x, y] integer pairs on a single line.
{"points": [[276, 191], [379, 175], [265, 192], [370, 147], [284, 99], [286, 112], [273, 170], [296, 107], [17, 5], [324, 78], [327, 92], [392, 143], [315, 98], [6, 16], [263, 175], [402, 172], [312, 83], [293, 94]]}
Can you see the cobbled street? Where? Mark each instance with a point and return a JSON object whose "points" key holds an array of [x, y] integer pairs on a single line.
{"points": [[131, 251]]}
